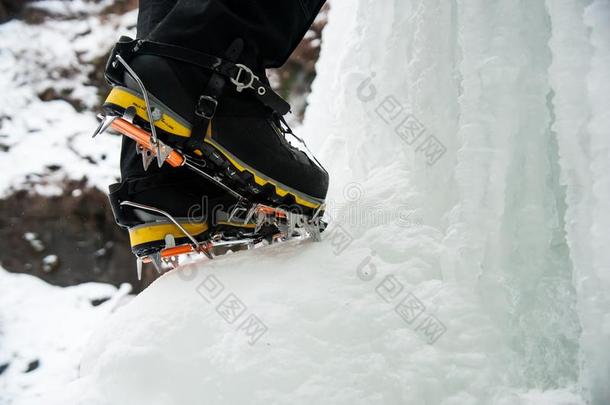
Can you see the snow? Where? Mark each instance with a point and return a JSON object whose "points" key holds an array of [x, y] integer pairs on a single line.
{"points": [[34, 241], [70, 8], [49, 326], [49, 141], [49, 263], [466, 259]]}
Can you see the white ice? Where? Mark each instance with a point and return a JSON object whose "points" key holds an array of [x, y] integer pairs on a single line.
{"points": [[48, 326]]}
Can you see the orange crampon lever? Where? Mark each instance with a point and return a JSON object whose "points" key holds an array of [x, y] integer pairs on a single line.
{"points": [[177, 250], [175, 159], [271, 211], [173, 251]]}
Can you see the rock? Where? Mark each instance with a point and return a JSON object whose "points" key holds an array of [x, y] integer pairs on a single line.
{"points": [[33, 365], [3, 367]]}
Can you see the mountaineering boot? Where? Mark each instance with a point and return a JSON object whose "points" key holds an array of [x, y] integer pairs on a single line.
{"points": [[141, 205], [217, 112]]}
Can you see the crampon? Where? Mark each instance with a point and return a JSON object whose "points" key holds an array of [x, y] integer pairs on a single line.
{"points": [[257, 219]]}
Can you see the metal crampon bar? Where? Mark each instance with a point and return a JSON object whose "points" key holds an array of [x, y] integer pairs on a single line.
{"points": [[288, 227], [251, 209]]}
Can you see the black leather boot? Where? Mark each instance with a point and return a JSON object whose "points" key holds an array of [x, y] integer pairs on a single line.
{"points": [[226, 117]]}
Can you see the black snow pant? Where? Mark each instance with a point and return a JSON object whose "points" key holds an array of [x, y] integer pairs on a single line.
{"points": [[271, 29]]}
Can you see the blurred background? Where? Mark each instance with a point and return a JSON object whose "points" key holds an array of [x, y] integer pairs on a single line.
{"points": [[54, 176]]}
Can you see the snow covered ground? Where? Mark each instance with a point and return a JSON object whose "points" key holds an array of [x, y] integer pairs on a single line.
{"points": [[42, 142], [466, 262], [44, 331]]}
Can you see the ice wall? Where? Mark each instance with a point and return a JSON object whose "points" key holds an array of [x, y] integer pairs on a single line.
{"points": [[579, 76], [517, 93]]}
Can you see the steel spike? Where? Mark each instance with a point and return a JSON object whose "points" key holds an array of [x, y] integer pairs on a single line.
{"points": [[260, 221], [158, 154], [155, 258], [250, 214], [139, 267], [106, 121], [163, 152], [147, 157]]}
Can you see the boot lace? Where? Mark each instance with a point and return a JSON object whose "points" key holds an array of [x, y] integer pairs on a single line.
{"points": [[283, 130]]}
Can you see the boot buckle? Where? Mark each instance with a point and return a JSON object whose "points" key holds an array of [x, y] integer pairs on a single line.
{"points": [[206, 107], [246, 84]]}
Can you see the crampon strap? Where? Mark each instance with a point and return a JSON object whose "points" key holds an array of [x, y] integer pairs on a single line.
{"points": [[240, 75]]}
